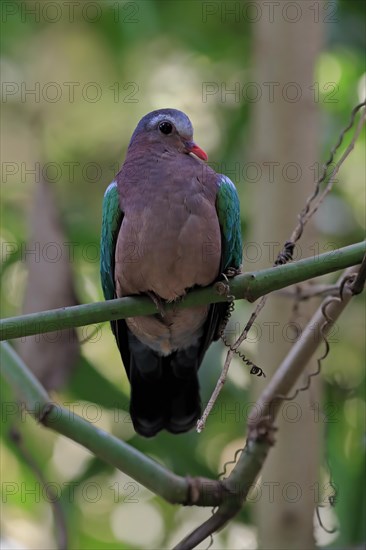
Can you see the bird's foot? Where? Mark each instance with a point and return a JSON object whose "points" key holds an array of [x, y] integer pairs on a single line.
{"points": [[231, 272], [159, 305], [223, 287]]}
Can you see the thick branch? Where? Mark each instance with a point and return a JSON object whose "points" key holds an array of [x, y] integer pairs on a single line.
{"points": [[260, 422], [229, 494], [163, 482], [232, 492], [249, 286]]}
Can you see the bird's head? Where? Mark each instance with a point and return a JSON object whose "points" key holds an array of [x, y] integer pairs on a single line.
{"points": [[170, 128]]}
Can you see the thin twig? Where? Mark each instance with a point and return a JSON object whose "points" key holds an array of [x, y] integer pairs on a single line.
{"points": [[286, 253], [230, 354], [303, 216], [307, 291], [211, 525], [58, 512], [336, 169], [299, 355], [359, 283]]}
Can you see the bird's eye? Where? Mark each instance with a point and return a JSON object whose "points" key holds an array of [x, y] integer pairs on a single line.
{"points": [[166, 128]]}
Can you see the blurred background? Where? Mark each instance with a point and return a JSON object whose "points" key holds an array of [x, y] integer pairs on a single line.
{"points": [[268, 87]]}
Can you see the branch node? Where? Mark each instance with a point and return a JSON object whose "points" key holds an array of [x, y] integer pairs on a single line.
{"points": [[199, 489], [194, 489], [44, 412], [262, 430]]}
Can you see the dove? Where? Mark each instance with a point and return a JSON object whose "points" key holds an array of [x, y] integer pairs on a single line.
{"points": [[170, 224]]}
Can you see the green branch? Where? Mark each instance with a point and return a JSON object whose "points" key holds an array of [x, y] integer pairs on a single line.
{"points": [[261, 420], [250, 286], [228, 494], [151, 474]]}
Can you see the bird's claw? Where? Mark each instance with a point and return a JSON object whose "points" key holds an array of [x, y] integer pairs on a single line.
{"points": [[231, 272], [223, 287]]}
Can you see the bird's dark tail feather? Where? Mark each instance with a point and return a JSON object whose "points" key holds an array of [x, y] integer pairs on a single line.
{"points": [[164, 390], [166, 398]]}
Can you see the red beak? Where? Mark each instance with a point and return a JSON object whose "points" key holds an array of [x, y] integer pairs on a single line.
{"points": [[193, 148]]}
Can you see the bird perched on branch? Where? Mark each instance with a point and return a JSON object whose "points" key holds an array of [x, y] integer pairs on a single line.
{"points": [[170, 223]]}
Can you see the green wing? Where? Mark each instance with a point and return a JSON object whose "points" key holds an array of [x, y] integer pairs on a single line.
{"points": [[228, 211], [111, 222]]}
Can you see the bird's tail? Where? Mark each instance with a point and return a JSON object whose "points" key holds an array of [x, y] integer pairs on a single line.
{"points": [[164, 390], [167, 397]]}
